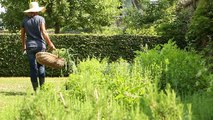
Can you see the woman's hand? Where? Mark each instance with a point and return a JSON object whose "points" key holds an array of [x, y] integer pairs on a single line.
{"points": [[51, 47]]}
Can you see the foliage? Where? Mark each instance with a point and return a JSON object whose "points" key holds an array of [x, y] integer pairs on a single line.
{"points": [[186, 72], [200, 30], [11, 56], [162, 18], [200, 33], [89, 15], [68, 57], [118, 90], [83, 46], [55, 17], [15, 9], [57, 13], [197, 100], [146, 17], [174, 25], [92, 15], [99, 91]]}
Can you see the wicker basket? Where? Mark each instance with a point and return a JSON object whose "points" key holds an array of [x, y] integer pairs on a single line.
{"points": [[50, 60]]}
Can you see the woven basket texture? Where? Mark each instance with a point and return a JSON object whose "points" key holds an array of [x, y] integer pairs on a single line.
{"points": [[50, 60]]}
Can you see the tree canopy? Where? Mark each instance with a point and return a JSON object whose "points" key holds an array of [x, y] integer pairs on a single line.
{"points": [[167, 18], [85, 15], [200, 32]]}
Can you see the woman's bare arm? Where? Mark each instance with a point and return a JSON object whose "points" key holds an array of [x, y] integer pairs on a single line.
{"points": [[23, 40], [46, 37]]}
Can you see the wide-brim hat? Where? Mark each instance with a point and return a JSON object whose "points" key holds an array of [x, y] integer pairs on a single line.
{"points": [[34, 7]]}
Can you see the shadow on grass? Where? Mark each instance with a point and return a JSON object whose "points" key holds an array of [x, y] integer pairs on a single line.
{"points": [[11, 93]]}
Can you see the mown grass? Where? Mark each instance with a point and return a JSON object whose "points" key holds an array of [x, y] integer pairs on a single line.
{"points": [[14, 89]]}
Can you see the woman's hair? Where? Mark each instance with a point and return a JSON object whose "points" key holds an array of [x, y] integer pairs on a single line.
{"points": [[31, 14]]}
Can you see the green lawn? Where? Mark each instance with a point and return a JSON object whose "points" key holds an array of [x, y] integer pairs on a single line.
{"points": [[14, 89]]}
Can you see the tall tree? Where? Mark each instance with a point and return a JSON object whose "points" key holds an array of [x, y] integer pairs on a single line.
{"points": [[92, 15], [57, 13], [14, 13], [145, 13], [200, 34], [87, 15]]}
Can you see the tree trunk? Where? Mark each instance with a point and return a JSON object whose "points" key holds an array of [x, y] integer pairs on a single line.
{"points": [[136, 4], [57, 28]]}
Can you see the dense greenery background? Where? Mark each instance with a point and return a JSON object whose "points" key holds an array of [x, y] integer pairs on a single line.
{"points": [[122, 22], [164, 83], [161, 84], [87, 15], [81, 47]]}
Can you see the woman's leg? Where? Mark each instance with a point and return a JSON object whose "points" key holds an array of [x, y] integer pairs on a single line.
{"points": [[33, 69], [41, 74]]}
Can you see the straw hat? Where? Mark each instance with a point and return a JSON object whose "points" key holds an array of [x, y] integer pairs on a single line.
{"points": [[34, 7]]}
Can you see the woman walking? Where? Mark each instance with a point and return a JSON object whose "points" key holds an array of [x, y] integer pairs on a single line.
{"points": [[33, 27]]}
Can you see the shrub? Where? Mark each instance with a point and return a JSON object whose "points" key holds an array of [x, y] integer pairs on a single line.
{"points": [[185, 71], [122, 90], [102, 90], [80, 46]]}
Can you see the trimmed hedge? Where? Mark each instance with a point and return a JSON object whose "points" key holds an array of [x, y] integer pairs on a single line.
{"points": [[13, 63]]}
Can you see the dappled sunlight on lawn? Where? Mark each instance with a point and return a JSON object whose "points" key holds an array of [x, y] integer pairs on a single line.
{"points": [[14, 89]]}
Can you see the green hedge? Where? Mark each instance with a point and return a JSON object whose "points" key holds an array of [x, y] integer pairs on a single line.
{"points": [[13, 63]]}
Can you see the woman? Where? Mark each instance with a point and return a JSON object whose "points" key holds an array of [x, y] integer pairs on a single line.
{"points": [[33, 26]]}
